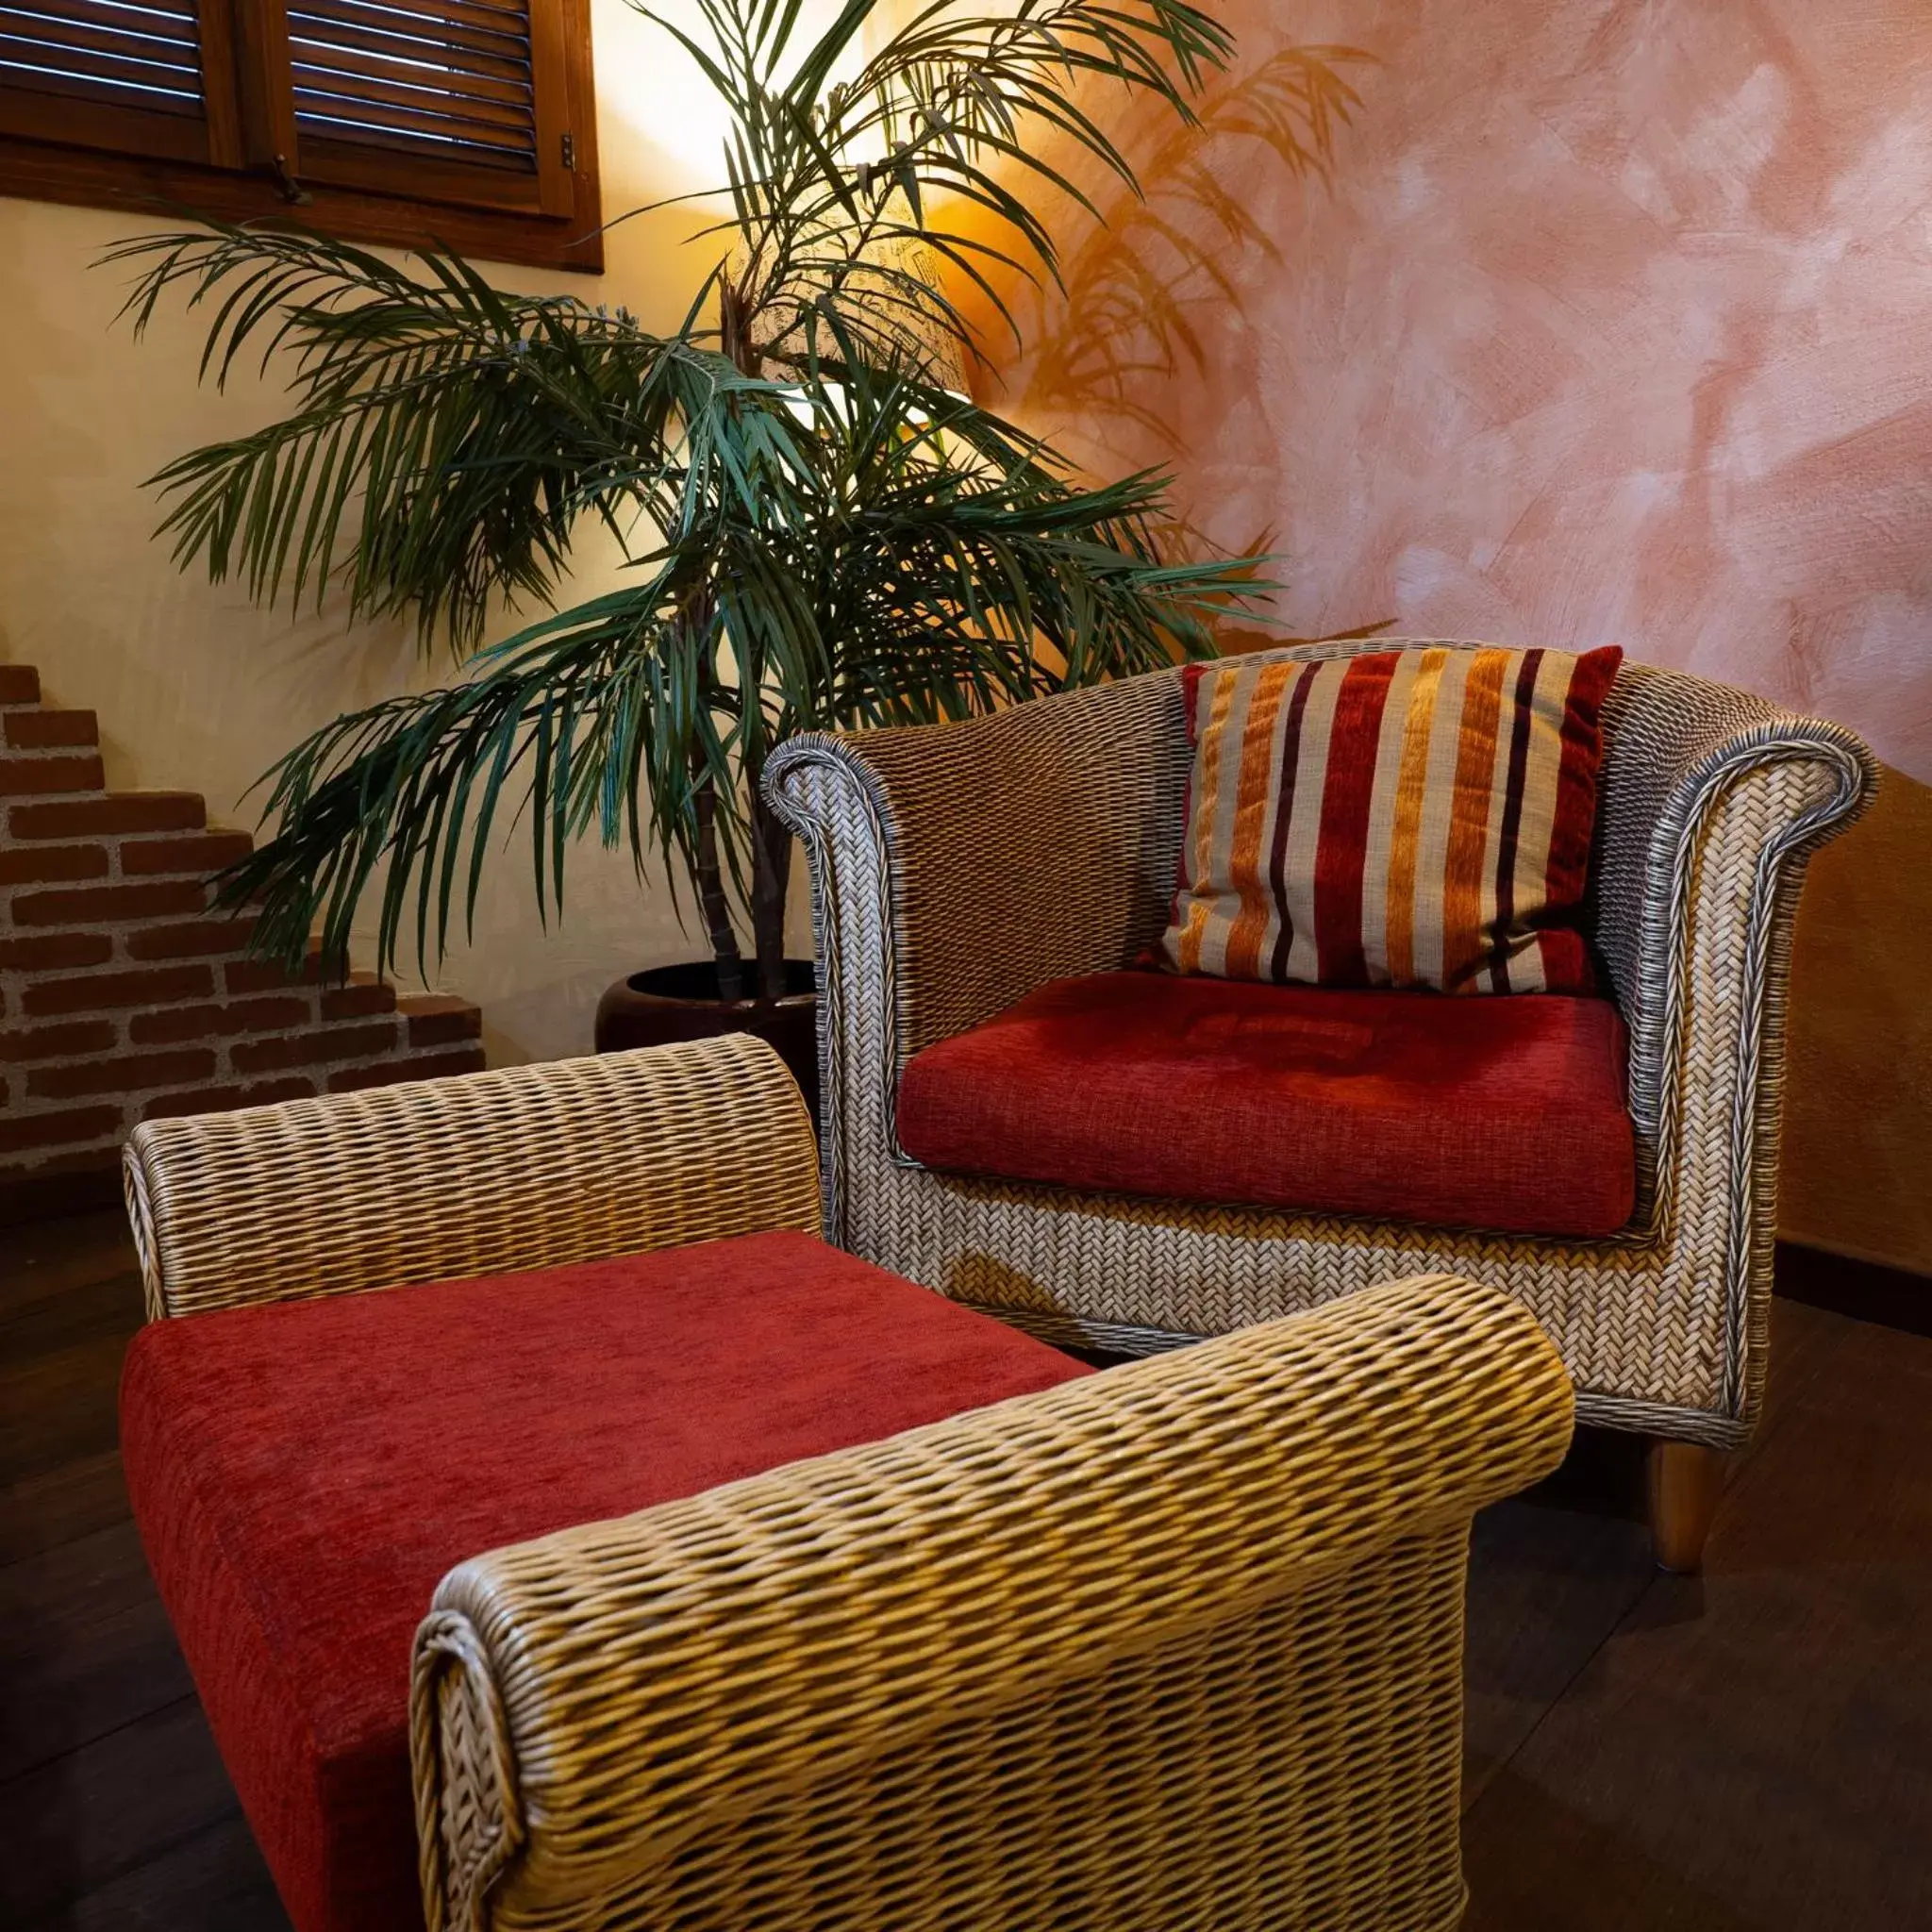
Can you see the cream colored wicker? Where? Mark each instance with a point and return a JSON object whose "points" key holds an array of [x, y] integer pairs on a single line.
{"points": [[493, 1173], [958, 867], [1176, 1646]]}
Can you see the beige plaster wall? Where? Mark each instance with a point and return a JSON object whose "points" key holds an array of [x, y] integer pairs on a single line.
{"points": [[1616, 325], [196, 688]]}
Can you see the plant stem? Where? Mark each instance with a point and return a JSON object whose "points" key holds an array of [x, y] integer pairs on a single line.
{"points": [[771, 843], [707, 873], [771, 874]]}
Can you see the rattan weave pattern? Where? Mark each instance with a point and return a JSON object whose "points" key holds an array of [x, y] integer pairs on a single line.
{"points": [[529, 1167], [956, 867], [1176, 1646]]}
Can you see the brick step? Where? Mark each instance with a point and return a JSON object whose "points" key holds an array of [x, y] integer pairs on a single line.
{"points": [[115, 811], [362, 996], [24, 775], [439, 1019], [173, 1008], [193, 855], [37, 729], [200, 853], [124, 996]]}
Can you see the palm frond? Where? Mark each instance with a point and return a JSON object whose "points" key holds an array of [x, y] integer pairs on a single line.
{"points": [[564, 726], [460, 434], [932, 566], [819, 532], [827, 180]]}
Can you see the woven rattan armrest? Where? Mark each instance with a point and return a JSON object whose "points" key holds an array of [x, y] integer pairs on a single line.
{"points": [[768, 1704], [1702, 782], [494, 1172], [1009, 850]]}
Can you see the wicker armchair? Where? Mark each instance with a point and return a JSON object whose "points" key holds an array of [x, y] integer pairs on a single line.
{"points": [[956, 868], [1176, 1645]]}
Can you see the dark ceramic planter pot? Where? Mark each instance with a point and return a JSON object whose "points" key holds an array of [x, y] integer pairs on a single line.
{"points": [[672, 1002]]}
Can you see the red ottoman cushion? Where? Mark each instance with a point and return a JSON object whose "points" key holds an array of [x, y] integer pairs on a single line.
{"points": [[304, 1474], [1416, 1107]]}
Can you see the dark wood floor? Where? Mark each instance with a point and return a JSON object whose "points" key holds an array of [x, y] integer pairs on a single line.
{"points": [[1747, 1752]]}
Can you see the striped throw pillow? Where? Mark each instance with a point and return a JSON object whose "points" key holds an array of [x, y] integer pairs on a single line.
{"points": [[1415, 818]]}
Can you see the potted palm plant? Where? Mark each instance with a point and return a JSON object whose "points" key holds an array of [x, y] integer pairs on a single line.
{"points": [[820, 532]]}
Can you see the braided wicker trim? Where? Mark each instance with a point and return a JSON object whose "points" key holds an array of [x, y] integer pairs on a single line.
{"points": [[467, 1832], [1178, 1645], [1658, 1010], [834, 1155], [1593, 1406]]}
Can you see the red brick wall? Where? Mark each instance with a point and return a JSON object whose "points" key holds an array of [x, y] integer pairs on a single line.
{"points": [[122, 998]]}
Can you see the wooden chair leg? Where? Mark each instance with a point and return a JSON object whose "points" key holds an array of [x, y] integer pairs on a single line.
{"points": [[1685, 1481]]}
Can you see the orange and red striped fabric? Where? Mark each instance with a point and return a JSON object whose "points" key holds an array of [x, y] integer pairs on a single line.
{"points": [[1397, 818]]}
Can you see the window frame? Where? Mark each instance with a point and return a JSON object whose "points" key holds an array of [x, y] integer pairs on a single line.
{"points": [[149, 164]]}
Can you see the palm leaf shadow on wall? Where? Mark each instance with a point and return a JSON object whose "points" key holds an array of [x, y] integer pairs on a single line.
{"points": [[1156, 280], [1138, 288]]}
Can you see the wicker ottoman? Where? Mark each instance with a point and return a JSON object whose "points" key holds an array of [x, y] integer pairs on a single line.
{"points": [[633, 1559]]}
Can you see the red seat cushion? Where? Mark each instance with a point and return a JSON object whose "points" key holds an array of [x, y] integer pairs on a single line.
{"points": [[304, 1474], [1497, 1113]]}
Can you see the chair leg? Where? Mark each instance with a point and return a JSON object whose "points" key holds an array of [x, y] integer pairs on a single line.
{"points": [[1685, 1481]]}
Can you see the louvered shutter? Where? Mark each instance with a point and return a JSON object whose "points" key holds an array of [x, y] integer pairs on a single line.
{"points": [[462, 101], [468, 124], [106, 73]]}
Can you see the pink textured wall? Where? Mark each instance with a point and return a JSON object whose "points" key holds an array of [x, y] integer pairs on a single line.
{"points": [[1617, 325]]}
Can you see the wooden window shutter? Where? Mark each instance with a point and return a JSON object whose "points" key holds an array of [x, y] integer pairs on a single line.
{"points": [[466, 102], [468, 124], [132, 76]]}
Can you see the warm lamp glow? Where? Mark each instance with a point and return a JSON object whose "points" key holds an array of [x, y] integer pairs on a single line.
{"points": [[648, 83], [662, 97]]}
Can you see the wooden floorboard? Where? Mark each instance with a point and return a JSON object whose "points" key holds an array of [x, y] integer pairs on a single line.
{"points": [[213, 1880], [1546, 1587], [52, 1258], [1744, 1754], [89, 1648], [92, 1821], [61, 1351], [1754, 1748], [55, 1506]]}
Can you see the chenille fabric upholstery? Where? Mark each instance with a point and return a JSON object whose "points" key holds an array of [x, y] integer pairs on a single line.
{"points": [[304, 1474], [1505, 1115]]}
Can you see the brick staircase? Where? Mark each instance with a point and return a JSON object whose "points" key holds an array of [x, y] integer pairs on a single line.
{"points": [[121, 999]]}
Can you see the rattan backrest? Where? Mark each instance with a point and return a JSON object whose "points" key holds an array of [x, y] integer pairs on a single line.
{"points": [[495, 1172], [1123, 825]]}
